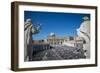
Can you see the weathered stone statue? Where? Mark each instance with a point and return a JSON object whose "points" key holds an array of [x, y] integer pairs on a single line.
{"points": [[29, 30], [84, 32]]}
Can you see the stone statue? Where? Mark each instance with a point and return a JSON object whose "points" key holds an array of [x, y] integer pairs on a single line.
{"points": [[84, 32], [29, 30]]}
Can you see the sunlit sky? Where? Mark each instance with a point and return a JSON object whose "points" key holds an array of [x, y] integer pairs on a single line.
{"points": [[62, 24]]}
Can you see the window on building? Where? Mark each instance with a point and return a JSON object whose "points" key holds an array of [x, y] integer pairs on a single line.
{"points": [[71, 38]]}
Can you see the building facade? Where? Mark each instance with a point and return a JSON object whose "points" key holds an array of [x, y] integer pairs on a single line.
{"points": [[69, 40]]}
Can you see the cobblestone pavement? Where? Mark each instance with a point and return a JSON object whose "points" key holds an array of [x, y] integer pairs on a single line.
{"points": [[59, 53]]}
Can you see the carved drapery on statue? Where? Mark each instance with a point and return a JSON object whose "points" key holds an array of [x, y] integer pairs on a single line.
{"points": [[84, 32], [29, 30]]}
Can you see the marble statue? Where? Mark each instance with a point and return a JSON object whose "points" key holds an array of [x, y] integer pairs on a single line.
{"points": [[84, 32], [29, 30]]}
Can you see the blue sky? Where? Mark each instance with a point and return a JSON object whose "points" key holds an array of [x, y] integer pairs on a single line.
{"points": [[62, 24]]}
